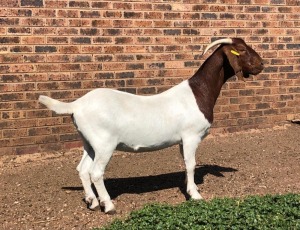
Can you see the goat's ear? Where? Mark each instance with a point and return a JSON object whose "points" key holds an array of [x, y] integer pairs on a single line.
{"points": [[233, 58]]}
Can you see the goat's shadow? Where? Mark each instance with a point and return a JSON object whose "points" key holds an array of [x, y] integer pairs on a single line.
{"points": [[144, 184]]}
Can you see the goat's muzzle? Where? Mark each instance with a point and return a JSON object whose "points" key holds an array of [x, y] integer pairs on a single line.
{"points": [[254, 68], [258, 68]]}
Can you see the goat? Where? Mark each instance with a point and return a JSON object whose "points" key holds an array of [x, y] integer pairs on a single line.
{"points": [[109, 120]]}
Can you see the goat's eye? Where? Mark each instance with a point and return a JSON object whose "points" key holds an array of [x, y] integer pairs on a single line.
{"points": [[242, 52], [241, 48]]}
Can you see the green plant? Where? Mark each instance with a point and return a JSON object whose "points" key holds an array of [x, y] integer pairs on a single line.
{"points": [[253, 212]]}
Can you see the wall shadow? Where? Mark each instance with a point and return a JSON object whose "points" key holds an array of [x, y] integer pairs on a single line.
{"points": [[151, 183]]}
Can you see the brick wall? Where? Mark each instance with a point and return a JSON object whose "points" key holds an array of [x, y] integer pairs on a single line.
{"points": [[64, 48]]}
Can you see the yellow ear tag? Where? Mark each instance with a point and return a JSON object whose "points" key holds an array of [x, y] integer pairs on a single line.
{"points": [[234, 52]]}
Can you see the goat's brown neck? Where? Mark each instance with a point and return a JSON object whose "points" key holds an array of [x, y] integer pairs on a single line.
{"points": [[207, 82]]}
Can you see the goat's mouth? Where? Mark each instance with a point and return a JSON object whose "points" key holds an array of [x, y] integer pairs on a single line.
{"points": [[253, 71], [246, 75]]}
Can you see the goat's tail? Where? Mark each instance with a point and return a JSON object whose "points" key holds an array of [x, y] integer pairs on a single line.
{"points": [[56, 106]]}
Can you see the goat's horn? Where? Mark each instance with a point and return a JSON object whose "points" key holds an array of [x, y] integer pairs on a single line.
{"points": [[217, 42]]}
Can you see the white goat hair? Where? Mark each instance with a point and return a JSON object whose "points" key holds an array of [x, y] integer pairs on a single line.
{"points": [[109, 119]]}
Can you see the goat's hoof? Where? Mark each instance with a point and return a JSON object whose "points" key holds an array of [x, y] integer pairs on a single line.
{"points": [[93, 204], [96, 208], [109, 207], [111, 212], [195, 195]]}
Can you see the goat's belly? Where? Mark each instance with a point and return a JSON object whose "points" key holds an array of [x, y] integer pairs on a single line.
{"points": [[144, 148]]}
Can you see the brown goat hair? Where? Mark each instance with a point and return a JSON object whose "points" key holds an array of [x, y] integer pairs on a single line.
{"points": [[234, 57]]}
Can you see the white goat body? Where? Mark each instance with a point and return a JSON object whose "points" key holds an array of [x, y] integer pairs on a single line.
{"points": [[135, 122], [110, 119]]}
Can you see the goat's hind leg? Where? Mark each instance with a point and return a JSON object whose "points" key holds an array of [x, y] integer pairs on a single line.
{"points": [[102, 157], [84, 173]]}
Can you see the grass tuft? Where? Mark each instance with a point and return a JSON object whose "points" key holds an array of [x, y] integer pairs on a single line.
{"points": [[253, 212]]}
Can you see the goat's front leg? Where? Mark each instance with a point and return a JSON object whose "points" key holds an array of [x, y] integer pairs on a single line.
{"points": [[189, 150]]}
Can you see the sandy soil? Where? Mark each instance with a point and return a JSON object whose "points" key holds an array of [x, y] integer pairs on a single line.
{"points": [[43, 191]]}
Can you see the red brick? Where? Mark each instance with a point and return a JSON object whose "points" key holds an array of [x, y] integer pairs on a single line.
{"points": [[89, 85], [91, 49], [35, 77], [58, 58], [62, 94], [136, 49], [112, 14], [32, 22], [143, 6], [14, 114], [13, 133], [69, 49], [47, 86], [56, 22], [72, 144], [26, 149], [47, 67], [152, 32], [121, 23], [44, 31], [91, 67], [113, 49], [122, 6], [133, 32], [44, 13], [123, 40], [153, 15], [70, 67], [33, 40], [59, 76], [34, 58], [49, 121], [147, 90], [119, 57], [81, 76], [32, 3], [20, 123], [162, 24], [80, 22], [7, 58], [68, 31], [51, 147], [56, 3], [68, 13], [102, 23], [4, 143], [63, 129], [133, 14], [101, 5], [10, 3], [46, 139]]}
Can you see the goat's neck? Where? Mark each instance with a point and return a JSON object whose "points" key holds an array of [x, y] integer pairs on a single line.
{"points": [[207, 82]]}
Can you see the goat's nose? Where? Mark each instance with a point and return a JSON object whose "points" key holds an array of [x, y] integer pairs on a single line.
{"points": [[262, 65], [261, 62]]}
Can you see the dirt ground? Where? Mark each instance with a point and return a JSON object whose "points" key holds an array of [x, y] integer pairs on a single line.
{"points": [[43, 191]]}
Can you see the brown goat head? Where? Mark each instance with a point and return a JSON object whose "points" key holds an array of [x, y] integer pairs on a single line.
{"points": [[242, 58]]}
